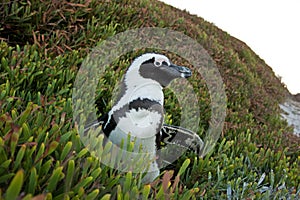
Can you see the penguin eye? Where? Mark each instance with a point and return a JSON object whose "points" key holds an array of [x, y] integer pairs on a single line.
{"points": [[157, 63]]}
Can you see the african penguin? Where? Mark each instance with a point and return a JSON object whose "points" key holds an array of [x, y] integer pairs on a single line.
{"points": [[139, 109]]}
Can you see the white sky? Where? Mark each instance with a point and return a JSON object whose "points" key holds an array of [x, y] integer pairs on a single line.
{"points": [[270, 27]]}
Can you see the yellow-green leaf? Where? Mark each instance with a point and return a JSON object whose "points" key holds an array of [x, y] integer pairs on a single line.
{"points": [[93, 194], [146, 192], [106, 197], [66, 150], [55, 177], [15, 186], [184, 166], [52, 147]]}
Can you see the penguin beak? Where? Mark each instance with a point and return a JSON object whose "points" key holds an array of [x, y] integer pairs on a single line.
{"points": [[184, 71]]}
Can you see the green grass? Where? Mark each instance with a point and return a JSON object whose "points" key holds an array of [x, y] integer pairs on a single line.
{"points": [[41, 155]]}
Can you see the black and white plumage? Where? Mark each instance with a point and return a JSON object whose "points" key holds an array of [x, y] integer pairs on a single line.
{"points": [[139, 109]]}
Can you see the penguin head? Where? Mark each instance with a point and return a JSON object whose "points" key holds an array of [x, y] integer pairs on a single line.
{"points": [[158, 68]]}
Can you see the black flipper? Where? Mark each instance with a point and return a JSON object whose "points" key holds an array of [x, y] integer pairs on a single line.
{"points": [[179, 136]]}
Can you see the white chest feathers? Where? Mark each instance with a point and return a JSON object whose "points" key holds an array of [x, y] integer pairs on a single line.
{"points": [[142, 125]]}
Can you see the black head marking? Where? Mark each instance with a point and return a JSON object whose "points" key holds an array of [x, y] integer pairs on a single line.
{"points": [[151, 61], [160, 70], [163, 74]]}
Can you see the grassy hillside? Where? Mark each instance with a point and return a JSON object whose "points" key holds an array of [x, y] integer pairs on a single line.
{"points": [[43, 44]]}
